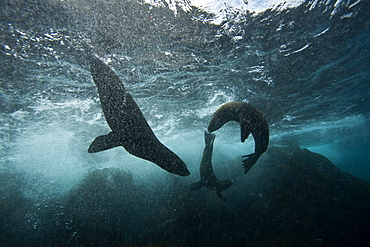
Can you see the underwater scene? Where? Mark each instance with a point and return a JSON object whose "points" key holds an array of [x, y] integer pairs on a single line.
{"points": [[184, 123]]}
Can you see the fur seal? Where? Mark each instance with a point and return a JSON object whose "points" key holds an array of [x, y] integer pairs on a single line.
{"points": [[128, 125], [251, 121], [207, 176]]}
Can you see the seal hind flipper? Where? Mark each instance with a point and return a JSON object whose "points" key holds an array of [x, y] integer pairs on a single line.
{"points": [[104, 142], [250, 160]]}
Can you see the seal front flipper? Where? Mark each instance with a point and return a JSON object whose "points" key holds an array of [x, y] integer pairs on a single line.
{"points": [[220, 195], [224, 184], [197, 185], [104, 142]]}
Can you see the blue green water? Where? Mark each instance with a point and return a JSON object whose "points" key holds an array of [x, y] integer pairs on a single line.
{"points": [[305, 67]]}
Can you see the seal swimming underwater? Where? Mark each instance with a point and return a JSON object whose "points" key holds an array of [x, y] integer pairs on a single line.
{"points": [[207, 176], [128, 125], [251, 121]]}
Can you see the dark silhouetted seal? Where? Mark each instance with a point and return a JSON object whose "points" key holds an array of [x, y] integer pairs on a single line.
{"points": [[251, 121], [207, 176], [128, 125]]}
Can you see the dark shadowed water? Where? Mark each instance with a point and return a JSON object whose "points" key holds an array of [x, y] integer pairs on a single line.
{"points": [[305, 65]]}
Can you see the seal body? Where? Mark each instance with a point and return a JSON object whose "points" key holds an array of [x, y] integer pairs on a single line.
{"points": [[128, 125], [208, 178], [251, 121]]}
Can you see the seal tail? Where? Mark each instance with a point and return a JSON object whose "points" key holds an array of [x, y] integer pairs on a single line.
{"points": [[250, 160]]}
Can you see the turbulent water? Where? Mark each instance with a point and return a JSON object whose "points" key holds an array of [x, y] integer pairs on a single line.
{"points": [[306, 67]]}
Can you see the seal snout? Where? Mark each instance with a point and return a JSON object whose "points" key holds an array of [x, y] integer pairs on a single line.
{"points": [[185, 172]]}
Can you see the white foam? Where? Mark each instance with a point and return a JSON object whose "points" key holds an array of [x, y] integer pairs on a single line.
{"points": [[48, 154], [256, 6]]}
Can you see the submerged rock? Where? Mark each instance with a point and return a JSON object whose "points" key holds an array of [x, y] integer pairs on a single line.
{"points": [[291, 197], [14, 209], [103, 209], [307, 198]]}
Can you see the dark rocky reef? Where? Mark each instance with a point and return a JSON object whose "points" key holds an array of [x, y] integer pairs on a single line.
{"points": [[308, 201], [291, 197]]}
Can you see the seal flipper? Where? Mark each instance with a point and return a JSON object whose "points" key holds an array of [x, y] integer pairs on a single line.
{"points": [[197, 185], [220, 195], [224, 184], [249, 161], [104, 142]]}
